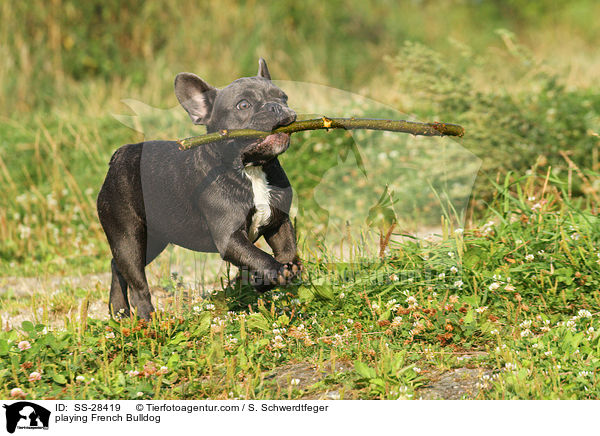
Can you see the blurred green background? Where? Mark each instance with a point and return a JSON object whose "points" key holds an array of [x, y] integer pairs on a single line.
{"points": [[521, 76]]}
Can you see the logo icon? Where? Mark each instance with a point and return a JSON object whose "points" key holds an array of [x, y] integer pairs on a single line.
{"points": [[26, 415]]}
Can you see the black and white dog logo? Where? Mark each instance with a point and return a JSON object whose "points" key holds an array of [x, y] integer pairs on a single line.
{"points": [[26, 415]]}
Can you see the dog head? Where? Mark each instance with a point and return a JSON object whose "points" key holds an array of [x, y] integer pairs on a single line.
{"points": [[247, 103]]}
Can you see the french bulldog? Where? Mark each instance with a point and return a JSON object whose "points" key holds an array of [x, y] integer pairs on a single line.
{"points": [[219, 197]]}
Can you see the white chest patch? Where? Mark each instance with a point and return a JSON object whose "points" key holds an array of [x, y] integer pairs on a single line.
{"points": [[262, 197]]}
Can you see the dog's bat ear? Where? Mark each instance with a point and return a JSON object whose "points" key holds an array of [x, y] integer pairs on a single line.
{"points": [[263, 71], [196, 96]]}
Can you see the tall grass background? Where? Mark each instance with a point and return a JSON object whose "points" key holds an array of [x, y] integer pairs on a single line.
{"points": [[522, 77]]}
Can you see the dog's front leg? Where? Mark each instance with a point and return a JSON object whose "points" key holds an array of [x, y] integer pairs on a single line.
{"points": [[283, 242], [257, 267]]}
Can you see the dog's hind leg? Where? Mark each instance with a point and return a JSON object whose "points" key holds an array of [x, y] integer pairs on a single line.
{"points": [[118, 303], [129, 257]]}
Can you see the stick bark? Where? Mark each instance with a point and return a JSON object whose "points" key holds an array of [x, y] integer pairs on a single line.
{"points": [[414, 128]]}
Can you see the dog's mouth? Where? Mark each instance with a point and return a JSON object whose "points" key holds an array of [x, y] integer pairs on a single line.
{"points": [[276, 140], [265, 149]]}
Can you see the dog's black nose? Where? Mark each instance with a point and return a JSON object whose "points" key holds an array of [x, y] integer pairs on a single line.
{"points": [[288, 118], [283, 114], [273, 107]]}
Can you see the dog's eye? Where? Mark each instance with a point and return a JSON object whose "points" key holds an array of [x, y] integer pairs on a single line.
{"points": [[243, 105]]}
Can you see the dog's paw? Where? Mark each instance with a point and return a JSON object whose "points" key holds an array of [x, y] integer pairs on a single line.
{"points": [[288, 273], [266, 280]]}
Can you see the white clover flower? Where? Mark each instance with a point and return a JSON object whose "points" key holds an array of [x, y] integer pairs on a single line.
{"points": [[24, 231], [109, 335], [210, 307], [481, 309], [396, 321], [278, 342], [374, 306], [459, 231], [509, 366], [488, 228], [34, 376], [441, 276], [529, 257], [342, 295], [21, 198], [531, 198], [459, 284], [350, 321], [133, 373], [17, 393], [575, 236], [494, 286], [494, 332], [453, 270], [451, 254], [80, 378], [536, 345], [295, 381], [51, 201], [24, 345], [140, 394], [417, 370], [548, 353], [583, 313], [583, 374], [525, 324], [525, 333], [337, 340], [394, 278]]}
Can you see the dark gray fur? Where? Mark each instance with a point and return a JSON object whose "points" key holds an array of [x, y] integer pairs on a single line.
{"points": [[154, 194]]}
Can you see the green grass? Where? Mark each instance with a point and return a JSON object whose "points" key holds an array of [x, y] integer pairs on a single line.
{"points": [[521, 77], [517, 296]]}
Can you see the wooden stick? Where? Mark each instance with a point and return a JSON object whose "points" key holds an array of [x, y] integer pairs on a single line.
{"points": [[414, 128]]}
